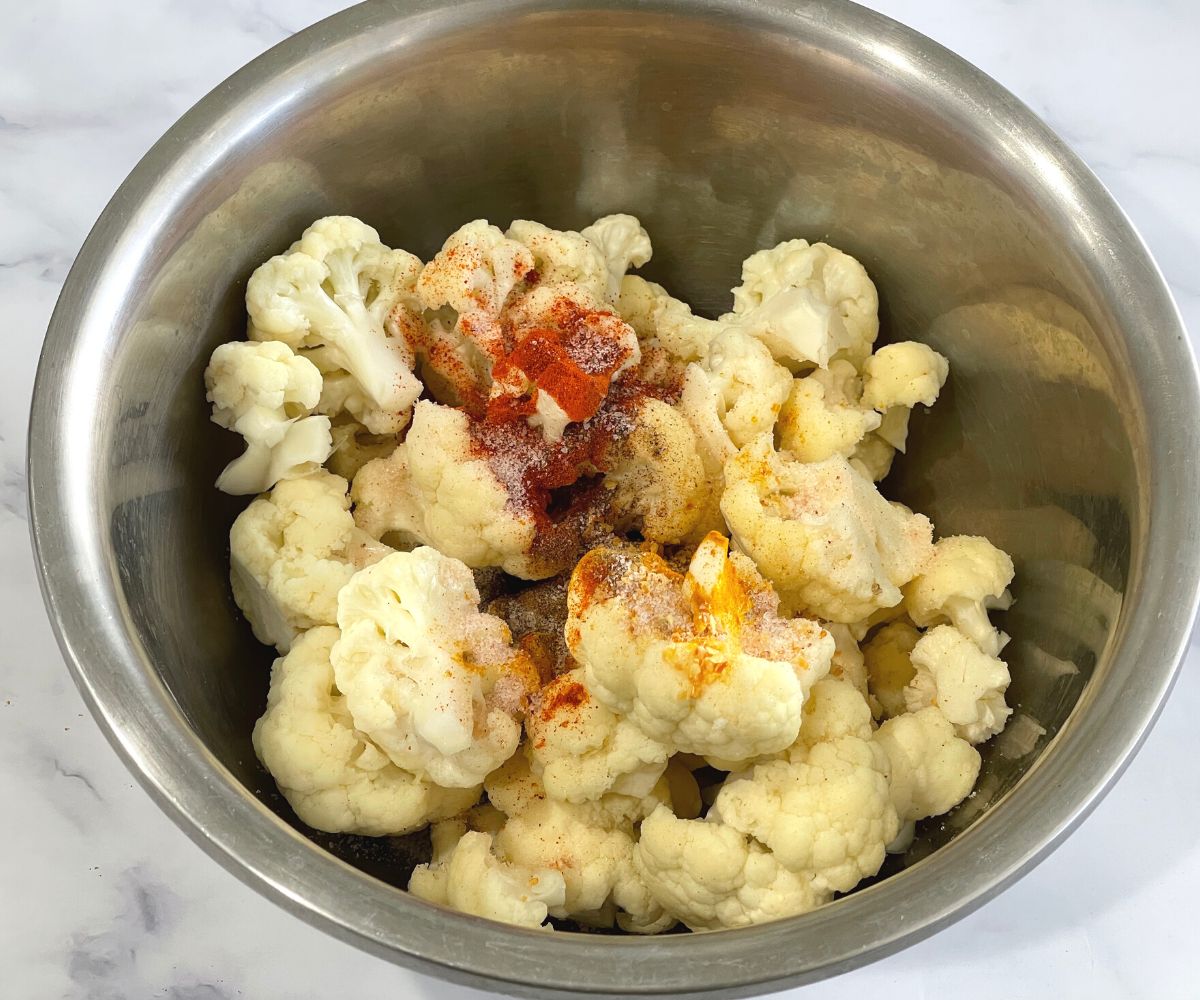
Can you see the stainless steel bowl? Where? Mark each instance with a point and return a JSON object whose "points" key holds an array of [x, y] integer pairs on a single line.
{"points": [[1068, 432]]}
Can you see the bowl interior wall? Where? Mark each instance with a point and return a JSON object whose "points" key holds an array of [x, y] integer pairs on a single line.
{"points": [[723, 139]]}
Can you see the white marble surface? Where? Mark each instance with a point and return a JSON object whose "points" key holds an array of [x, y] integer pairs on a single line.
{"points": [[102, 898]]}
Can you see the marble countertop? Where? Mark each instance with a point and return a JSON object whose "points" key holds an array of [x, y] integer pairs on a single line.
{"points": [[104, 899]]}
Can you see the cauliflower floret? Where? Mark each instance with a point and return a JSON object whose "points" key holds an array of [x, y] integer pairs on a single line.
{"points": [[533, 333], [436, 489], [827, 812], [932, 769], [581, 751], [658, 317], [824, 416], [903, 375], [562, 257], [482, 492], [966, 577], [467, 876], [522, 324], [339, 391], [836, 708], [592, 857], [888, 655], [266, 393], [821, 533], [332, 775], [700, 404], [701, 662], [660, 370], [291, 552], [590, 843], [848, 663], [807, 303], [749, 387], [624, 244], [567, 350], [896, 378], [873, 456], [466, 286], [337, 289], [513, 787], [657, 476], [965, 683], [431, 679], [709, 876]]}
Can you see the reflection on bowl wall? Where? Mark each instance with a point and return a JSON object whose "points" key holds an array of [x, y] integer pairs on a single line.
{"points": [[725, 126]]}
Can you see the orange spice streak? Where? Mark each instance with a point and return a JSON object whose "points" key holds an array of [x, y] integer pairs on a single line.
{"points": [[591, 572], [559, 696], [572, 354]]}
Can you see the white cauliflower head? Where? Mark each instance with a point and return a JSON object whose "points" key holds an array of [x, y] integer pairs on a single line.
{"points": [[700, 403], [700, 661], [821, 533], [266, 393], [590, 843], [439, 489], [567, 349], [873, 456], [888, 655], [656, 477], [591, 856], [336, 290], [521, 326], [824, 414], [896, 378], [291, 552], [547, 351], [432, 680], [514, 788], [808, 304], [750, 388], [482, 492], [835, 708], [581, 750], [623, 243], [966, 577], [332, 775], [658, 317], [848, 663], [965, 683], [466, 286], [903, 375], [827, 812], [564, 256], [466, 874], [931, 768], [710, 877]]}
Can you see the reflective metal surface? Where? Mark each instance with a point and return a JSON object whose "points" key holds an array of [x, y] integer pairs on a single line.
{"points": [[1068, 431]]}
